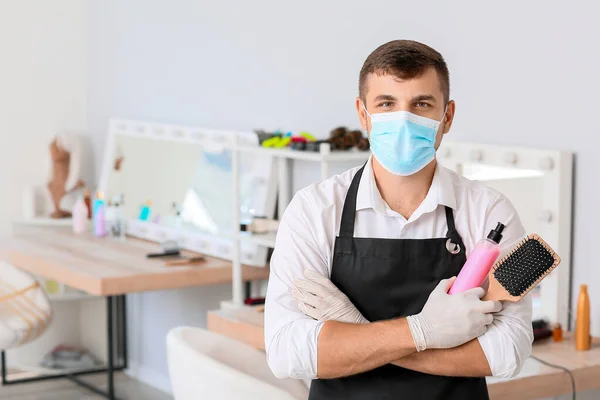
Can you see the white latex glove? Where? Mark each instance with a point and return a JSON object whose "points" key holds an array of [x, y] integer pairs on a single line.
{"points": [[451, 320], [320, 299]]}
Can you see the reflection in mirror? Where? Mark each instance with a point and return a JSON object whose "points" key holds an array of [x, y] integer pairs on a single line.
{"points": [[183, 187], [151, 177], [208, 201], [523, 187]]}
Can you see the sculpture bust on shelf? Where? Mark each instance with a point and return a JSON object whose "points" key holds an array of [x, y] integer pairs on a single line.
{"points": [[64, 177]]}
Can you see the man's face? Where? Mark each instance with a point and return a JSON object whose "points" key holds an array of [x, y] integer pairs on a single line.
{"points": [[421, 96]]}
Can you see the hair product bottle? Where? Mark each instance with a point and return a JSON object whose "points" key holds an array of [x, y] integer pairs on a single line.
{"points": [[583, 340], [80, 215], [479, 263], [145, 211], [99, 215]]}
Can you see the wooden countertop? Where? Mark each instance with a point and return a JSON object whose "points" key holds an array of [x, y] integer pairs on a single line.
{"points": [[535, 380], [103, 266]]}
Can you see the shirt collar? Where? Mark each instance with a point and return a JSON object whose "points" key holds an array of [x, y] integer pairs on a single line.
{"points": [[441, 192]]}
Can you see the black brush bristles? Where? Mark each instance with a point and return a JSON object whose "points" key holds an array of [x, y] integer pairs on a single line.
{"points": [[529, 262]]}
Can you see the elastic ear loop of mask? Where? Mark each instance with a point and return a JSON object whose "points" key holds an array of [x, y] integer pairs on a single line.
{"points": [[365, 108], [443, 120]]}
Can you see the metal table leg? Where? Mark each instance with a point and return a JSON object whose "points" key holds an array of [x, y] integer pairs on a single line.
{"points": [[3, 367], [116, 334]]}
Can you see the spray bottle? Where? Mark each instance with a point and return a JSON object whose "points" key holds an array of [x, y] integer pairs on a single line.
{"points": [[479, 263]]}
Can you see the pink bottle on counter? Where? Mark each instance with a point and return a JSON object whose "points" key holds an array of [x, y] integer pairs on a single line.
{"points": [[479, 263], [100, 218], [80, 216]]}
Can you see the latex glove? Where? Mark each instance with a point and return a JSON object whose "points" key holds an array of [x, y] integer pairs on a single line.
{"points": [[451, 320], [320, 299]]}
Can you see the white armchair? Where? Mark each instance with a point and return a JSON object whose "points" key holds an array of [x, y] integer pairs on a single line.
{"points": [[25, 310], [206, 365]]}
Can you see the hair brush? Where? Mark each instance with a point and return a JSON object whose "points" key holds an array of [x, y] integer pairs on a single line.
{"points": [[521, 270]]}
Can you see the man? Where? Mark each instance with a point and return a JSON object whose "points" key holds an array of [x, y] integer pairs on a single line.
{"points": [[391, 235]]}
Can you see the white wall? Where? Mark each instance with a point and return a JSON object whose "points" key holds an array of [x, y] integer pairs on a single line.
{"points": [[43, 84], [523, 73]]}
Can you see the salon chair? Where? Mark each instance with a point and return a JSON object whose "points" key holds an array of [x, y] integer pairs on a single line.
{"points": [[206, 365]]}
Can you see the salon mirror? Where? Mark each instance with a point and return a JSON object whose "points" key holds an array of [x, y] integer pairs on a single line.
{"points": [[523, 187], [176, 183], [538, 182]]}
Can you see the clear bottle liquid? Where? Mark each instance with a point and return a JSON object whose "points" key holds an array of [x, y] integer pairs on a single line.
{"points": [[118, 223]]}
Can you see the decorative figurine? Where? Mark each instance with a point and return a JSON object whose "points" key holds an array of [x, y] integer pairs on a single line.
{"points": [[63, 175]]}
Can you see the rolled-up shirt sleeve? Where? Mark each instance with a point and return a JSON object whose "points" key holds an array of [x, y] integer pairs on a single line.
{"points": [[507, 342], [290, 336]]}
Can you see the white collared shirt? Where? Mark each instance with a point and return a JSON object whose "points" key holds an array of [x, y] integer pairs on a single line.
{"points": [[306, 237]]}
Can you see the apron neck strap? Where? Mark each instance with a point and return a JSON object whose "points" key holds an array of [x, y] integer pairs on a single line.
{"points": [[349, 211], [452, 232]]}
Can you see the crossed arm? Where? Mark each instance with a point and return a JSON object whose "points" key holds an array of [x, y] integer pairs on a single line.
{"points": [[343, 348], [465, 360], [347, 349], [506, 342], [319, 298]]}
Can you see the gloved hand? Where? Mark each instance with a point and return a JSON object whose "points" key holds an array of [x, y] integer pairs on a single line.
{"points": [[451, 320], [320, 299]]}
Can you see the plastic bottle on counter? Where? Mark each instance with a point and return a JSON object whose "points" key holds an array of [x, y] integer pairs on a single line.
{"points": [[583, 340], [80, 215]]}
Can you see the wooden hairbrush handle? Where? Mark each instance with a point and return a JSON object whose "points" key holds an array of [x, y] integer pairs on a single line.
{"points": [[497, 292]]}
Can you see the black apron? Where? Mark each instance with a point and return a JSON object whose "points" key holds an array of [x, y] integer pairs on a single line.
{"points": [[391, 278]]}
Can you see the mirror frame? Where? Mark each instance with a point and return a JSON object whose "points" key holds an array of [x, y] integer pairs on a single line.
{"points": [[210, 140], [555, 212]]}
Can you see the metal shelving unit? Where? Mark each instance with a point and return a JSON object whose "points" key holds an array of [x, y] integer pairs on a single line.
{"points": [[324, 157]]}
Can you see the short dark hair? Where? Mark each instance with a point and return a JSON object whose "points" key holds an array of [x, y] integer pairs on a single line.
{"points": [[405, 59]]}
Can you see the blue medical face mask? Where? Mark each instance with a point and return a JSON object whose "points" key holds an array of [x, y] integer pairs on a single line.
{"points": [[402, 142]]}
